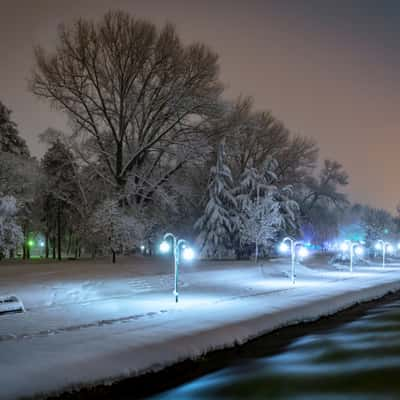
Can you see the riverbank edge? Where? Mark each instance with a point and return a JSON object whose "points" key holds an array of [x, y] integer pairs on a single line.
{"points": [[158, 378]]}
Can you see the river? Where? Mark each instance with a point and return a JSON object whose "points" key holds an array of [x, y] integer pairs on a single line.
{"points": [[354, 360]]}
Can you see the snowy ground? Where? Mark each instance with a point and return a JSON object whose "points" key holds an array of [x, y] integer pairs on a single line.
{"points": [[88, 323]]}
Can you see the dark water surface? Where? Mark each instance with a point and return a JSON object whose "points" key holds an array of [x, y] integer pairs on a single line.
{"points": [[357, 360]]}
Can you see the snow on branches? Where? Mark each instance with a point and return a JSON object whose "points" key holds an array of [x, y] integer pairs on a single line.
{"points": [[216, 223], [10, 232], [113, 229], [248, 213]]}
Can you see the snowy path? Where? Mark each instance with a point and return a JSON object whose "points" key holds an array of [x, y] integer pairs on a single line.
{"points": [[102, 323]]}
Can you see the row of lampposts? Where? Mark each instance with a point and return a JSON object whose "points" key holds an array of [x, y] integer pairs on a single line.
{"points": [[296, 249], [358, 250]]}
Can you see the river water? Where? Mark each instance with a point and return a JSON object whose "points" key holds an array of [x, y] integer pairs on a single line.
{"points": [[356, 360]]}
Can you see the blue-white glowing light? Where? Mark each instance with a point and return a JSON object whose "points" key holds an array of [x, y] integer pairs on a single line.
{"points": [[359, 250], [344, 246], [303, 252], [188, 254], [283, 248], [164, 247]]}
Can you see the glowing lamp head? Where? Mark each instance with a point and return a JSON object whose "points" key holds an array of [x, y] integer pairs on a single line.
{"points": [[188, 254], [142, 247], [41, 243], [389, 248], [303, 252], [31, 243], [283, 247], [378, 246], [164, 247], [359, 251], [344, 246]]}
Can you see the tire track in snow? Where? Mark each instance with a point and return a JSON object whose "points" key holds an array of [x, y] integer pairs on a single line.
{"points": [[50, 332]]}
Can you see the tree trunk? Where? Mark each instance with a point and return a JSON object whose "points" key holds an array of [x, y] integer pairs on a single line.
{"points": [[256, 256], [46, 243], [25, 245], [113, 256], [76, 248], [59, 231], [54, 247], [69, 243]]}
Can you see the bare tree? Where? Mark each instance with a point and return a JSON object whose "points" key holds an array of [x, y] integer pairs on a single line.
{"points": [[253, 137], [326, 188], [138, 98], [297, 160]]}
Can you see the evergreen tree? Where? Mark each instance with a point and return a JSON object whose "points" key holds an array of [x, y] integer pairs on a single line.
{"points": [[10, 141], [217, 222]]}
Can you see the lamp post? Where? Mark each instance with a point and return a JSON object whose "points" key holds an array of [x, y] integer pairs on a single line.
{"points": [[284, 248], [348, 245], [177, 246], [384, 246]]}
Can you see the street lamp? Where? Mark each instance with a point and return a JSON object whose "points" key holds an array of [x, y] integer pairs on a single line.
{"points": [[353, 248], [285, 248], [180, 249], [385, 247]]}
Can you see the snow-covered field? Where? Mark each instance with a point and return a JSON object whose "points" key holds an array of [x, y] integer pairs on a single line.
{"points": [[93, 322]]}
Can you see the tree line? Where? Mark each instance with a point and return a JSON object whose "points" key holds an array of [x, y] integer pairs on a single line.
{"points": [[155, 146]]}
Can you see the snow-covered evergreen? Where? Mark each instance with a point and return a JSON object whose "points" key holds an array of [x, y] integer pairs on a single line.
{"points": [[217, 222]]}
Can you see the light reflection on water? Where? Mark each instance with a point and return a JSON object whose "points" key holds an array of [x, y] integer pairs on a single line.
{"points": [[358, 360]]}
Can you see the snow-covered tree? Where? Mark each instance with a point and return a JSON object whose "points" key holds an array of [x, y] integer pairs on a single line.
{"points": [[11, 234], [378, 224], [19, 177], [10, 140], [137, 95], [289, 209], [217, 222], [260, 222], [113, 229], [264, 208]]}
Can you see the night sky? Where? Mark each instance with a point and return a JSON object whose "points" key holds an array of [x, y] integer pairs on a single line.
{"points": [[328, 69]]}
